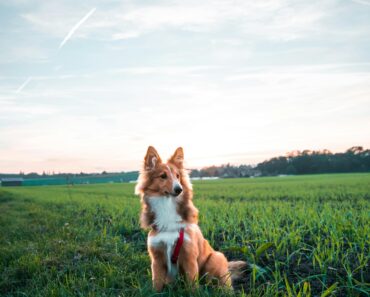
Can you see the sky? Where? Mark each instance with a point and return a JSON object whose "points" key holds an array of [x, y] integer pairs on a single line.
{"points": [[88, 85]]}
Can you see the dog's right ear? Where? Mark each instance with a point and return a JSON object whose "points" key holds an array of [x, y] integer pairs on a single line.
{"points": [[151, 159]]}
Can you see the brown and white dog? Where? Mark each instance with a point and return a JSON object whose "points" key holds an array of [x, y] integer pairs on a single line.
{"points": [[175, 241]]}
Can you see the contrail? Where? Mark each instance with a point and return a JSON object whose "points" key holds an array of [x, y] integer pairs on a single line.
{"points": [[75, 27], [24, 84]]}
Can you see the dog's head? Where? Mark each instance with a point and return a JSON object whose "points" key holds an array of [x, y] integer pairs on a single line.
{"points": [[159, 178]]}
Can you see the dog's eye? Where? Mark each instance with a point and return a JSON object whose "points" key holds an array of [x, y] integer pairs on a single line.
{"points": [[163, 175], [178, 176]]}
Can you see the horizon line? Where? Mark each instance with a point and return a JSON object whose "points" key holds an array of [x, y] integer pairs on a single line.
{"points": [[54, 172]]}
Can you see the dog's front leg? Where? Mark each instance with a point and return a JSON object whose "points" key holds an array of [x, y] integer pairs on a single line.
{"points": [[159, 269], [158, 275]]}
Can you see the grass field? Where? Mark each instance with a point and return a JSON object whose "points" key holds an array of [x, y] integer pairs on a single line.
{"points": [[303, 236]]}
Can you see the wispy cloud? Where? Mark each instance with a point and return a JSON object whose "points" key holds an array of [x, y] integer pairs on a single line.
{"points": [[75, 27], [364, 2], [272, 20]]}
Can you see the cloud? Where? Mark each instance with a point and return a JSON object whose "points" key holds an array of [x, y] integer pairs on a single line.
{"points": [[363, 2], [167, 70], [283, 108], [271, 20]]}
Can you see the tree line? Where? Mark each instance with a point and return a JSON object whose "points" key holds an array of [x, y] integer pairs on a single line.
{"points": [[355, 159], [224, 171]]}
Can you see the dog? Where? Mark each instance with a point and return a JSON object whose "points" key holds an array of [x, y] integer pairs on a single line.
{"points": [[175, 242]]}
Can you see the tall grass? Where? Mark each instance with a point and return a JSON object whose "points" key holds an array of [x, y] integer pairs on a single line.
{"points": [[302, 236]]}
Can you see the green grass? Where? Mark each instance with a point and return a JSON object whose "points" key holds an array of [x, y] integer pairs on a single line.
{"points": [[303, 236]]}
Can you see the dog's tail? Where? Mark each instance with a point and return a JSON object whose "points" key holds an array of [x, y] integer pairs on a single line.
{"points": [[236, 269]]}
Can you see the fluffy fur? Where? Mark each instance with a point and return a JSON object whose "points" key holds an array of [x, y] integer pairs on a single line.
{"points": [[166, 199]]}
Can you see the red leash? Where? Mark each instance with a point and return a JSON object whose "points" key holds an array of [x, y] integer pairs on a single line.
{"points": [[179, 243]]}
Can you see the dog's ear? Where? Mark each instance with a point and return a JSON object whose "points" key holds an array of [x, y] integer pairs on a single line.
{"points": [[152, 159], [178, 158]]}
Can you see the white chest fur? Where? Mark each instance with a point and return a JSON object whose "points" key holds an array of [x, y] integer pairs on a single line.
{"points": [[168, 223], [166, 216]]}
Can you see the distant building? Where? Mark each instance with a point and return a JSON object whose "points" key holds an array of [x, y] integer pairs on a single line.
{"points": [[11, 181]]}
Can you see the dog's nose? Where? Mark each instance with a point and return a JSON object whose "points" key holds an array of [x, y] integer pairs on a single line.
{"points": [[178, 190]]}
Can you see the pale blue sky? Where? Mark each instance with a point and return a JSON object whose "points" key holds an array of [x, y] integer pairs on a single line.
{"points": [[88, 85]]}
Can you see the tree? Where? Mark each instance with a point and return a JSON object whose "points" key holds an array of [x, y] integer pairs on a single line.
{"points": [[355, 159]]}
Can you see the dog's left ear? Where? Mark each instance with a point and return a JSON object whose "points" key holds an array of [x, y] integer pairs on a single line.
{"points": [[178, 158]]}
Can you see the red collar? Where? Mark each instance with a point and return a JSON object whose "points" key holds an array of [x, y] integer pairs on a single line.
{"points": [[178, 245]]}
